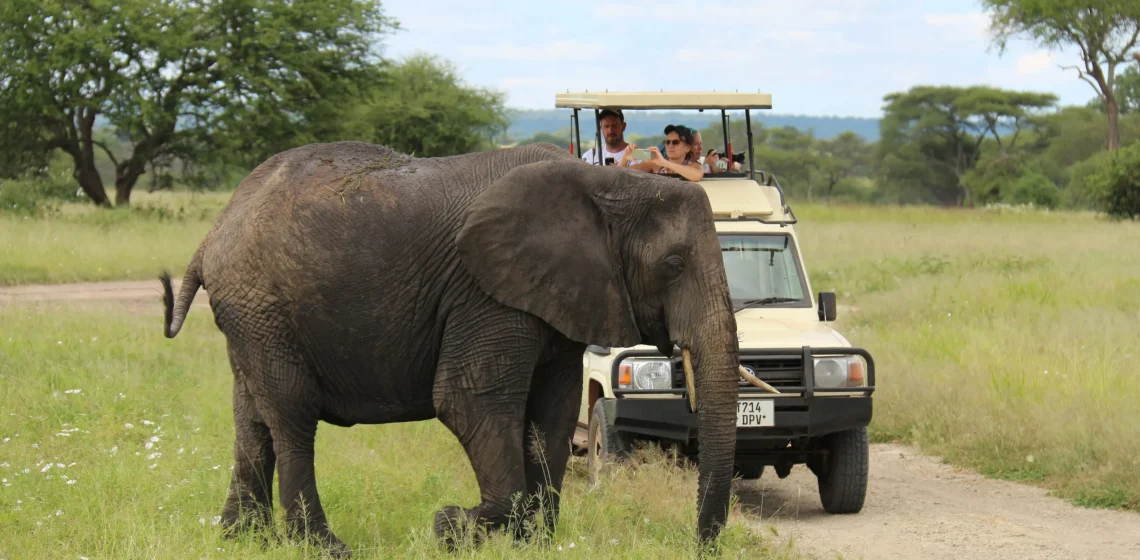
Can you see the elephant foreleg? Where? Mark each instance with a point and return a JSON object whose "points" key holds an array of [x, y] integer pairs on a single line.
{"points": [[551, 414], [480, 394]]}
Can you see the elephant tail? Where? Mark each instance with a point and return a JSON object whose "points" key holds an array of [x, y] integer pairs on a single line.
{"points": [[175, 314]]}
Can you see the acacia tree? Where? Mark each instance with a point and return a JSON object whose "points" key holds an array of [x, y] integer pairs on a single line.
{"points": [[175, 78], [935, 133], [1104, 31]]}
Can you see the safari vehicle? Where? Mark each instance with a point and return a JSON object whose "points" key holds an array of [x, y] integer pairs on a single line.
{"points": [[804, 393]]}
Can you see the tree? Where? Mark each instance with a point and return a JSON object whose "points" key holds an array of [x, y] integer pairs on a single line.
{"points": [[1104, 31], [846, 155], [944, 127], [425, 109], [176, 77]]}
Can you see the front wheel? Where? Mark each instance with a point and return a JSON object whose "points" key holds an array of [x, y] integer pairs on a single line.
{"points": [[604, 443], [842, 474]]}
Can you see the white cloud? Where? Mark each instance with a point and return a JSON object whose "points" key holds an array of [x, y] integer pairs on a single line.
{"points": [[973, 25], [1035, 63], [558, 50]]}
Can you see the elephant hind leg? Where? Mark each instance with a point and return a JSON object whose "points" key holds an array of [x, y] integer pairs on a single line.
{"points": [[551, 414], [286, 396], [250, 502]]}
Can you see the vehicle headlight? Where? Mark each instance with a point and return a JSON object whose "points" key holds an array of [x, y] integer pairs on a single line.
{"points": [[845, 371], [645, 374]]}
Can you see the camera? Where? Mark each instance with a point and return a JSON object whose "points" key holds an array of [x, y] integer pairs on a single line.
{"points": [[737, 157]]}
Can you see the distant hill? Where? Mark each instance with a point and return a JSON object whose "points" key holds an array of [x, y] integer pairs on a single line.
{"points": [[526, 122]]}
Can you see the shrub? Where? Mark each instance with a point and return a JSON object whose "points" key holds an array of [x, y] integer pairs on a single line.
{"points": [[1032, 188], [39, 192], [1117, 183]]}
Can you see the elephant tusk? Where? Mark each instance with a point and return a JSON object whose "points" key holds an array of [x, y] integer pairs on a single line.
{"points": [[687, 361], [756, 381]]}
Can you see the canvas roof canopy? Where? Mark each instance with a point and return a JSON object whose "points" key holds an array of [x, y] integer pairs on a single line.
{"points": [[663, 100]]}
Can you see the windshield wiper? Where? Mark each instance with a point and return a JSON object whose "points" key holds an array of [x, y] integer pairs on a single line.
{"points": [[765, 301]]}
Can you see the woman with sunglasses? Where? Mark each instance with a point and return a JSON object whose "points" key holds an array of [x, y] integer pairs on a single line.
{"points": [[678, 155]]}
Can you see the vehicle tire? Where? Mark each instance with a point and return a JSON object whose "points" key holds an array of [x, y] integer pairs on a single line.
{"points": [[750, 472], [842, 475], [604, 443]]}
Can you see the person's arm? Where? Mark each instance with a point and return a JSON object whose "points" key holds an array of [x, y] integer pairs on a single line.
{"points": [[692, 171]]}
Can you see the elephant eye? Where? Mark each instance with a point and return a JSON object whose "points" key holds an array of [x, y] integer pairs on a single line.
{"points": [[675, 265]]}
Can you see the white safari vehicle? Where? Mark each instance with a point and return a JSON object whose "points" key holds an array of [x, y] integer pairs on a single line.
{"points": [[805, 392]]}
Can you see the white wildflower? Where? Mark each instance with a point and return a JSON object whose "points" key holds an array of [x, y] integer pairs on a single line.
{"points": [[128, 425], [149, 444], [46, 468], [154, 439], [148, 422], [153, 466], [72, 481], [217, 519], [201, 520], [58, 512]]}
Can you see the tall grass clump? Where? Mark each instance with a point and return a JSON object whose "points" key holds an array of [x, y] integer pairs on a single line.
{"points": [[118, 443], [1005, 341]]}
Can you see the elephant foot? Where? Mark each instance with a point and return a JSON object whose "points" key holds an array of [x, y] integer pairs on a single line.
{"points": [[245, 517], [457, 527], [322, 537]]}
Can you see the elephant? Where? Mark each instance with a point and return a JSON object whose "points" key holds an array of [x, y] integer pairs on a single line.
{"points": [[358, 285]]}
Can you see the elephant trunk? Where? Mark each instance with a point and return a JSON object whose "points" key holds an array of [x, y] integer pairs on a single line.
{"points": [[715, 374]]}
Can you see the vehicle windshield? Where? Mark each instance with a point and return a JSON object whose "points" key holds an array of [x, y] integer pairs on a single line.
{"points": [[762, 270]]}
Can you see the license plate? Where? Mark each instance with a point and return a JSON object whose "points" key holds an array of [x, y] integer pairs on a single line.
{"points": [[755, 413]]}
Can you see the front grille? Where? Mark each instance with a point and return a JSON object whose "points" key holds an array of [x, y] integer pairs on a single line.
{"points": [[778, 371]]}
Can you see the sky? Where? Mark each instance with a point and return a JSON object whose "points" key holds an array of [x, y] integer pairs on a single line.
{"points": [[816, 57]]}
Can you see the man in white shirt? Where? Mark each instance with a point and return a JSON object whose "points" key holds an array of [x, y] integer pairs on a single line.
{"points": [[613, 136]]}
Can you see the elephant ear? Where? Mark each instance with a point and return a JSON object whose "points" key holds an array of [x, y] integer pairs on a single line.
{"points": [[537, 240]]}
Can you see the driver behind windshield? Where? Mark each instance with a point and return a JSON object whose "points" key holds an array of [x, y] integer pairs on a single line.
{"points": [[678, 156]]}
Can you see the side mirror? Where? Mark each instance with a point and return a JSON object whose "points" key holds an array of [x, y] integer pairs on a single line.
{"points": [[827, 306], [593, 348]]}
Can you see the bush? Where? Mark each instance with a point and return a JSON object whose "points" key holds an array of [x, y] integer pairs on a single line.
{"points": [[992, 175], [1032, 188], [39, 192], [1117, 183]]}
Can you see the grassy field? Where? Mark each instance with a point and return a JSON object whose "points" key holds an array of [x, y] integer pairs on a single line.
{"points": [[1005, 341], [117, 443], [83, 243]]}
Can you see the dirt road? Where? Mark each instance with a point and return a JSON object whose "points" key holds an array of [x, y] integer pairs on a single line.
{"points": [[916, 508], [919, 508]]}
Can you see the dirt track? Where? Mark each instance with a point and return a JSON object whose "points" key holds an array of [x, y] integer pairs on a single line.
{"points": [[916, 508]]}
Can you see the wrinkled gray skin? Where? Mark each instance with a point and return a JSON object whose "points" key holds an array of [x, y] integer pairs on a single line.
{"points": [[355, 285]]}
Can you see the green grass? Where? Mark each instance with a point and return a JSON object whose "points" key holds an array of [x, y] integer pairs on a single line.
{"points": [[83, 243], [1006, 342], [138, 430]]}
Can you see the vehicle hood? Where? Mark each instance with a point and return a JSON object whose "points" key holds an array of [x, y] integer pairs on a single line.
{"points": [[767, 329]]}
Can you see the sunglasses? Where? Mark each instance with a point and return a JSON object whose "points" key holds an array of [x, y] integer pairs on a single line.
{"points": [[674, 142]]}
